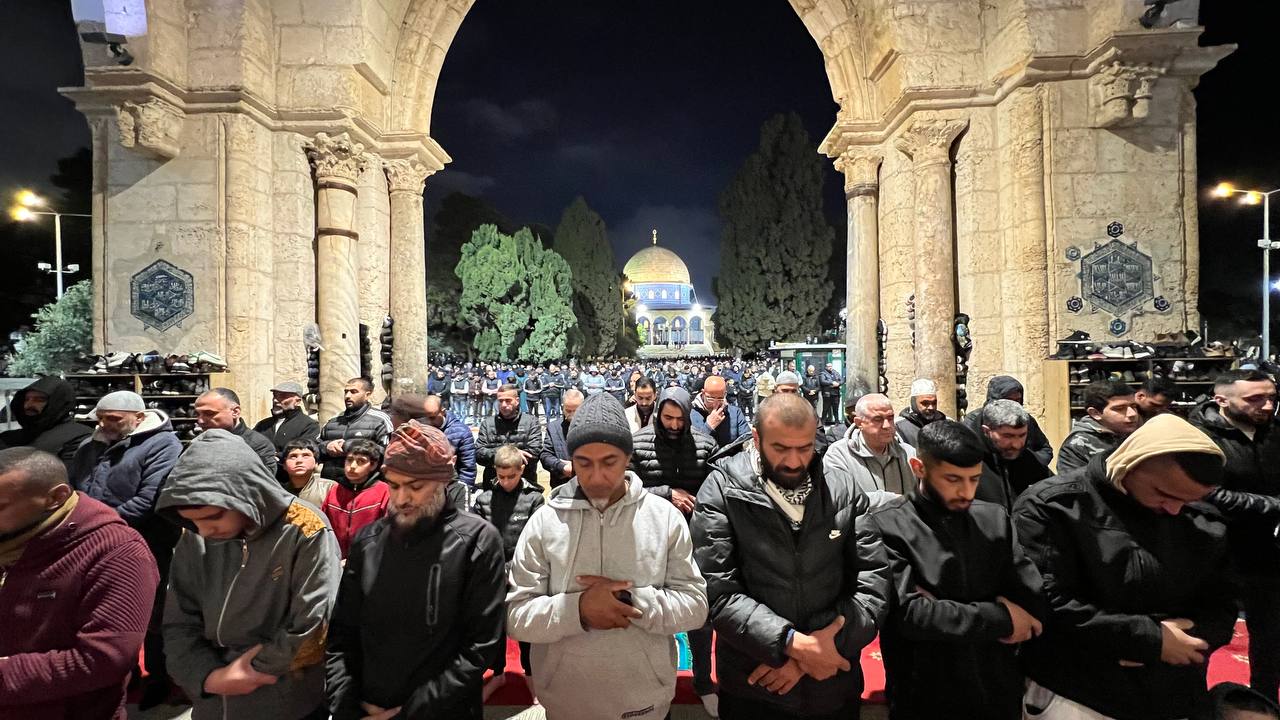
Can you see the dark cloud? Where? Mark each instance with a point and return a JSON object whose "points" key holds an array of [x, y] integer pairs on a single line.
{"points": [[452, 179], [513, 122]]}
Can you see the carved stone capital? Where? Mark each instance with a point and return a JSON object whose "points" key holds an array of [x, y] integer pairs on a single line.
{"points": [[153, 127], [405, 175], [928, 142], [861, 169], [337, 157], [1120, 93]]}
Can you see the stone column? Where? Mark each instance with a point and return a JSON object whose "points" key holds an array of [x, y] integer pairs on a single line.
{"points": [[861, 168], [405, 179], [928, 143], [337, 162]]}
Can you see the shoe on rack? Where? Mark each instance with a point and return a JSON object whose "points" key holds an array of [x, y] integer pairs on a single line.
{"points": [[1077, 336], [211, 362], [1113, 352], [1142, 352], [116, 361]]}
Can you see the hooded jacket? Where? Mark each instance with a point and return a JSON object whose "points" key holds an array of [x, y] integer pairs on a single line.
{"points": [[349, 508], [365, 422], [911, 422], [621, 673], [663, 464], [764, 580], [1250, 492], [418, 619], [1112, 571], [998, 388], [509, 512], [273, 586], [464, 448], [1087, 438], [733, 426], [127, 475], [941, 641], [296, 425], [879, 476], [53, 430], [74, 609]]}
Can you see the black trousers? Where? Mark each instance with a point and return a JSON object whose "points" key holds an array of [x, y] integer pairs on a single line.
{"points": [[735, 708], [1261, 600], [700, 648], [499, 664], [830, 409]]}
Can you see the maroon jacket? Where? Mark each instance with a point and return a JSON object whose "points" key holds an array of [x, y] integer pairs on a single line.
{"points": [[73, 610]]}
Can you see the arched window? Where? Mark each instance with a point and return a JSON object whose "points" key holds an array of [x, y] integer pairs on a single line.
{"points": [[659, 331], [679, 335], [696, 335], [643, 324]]}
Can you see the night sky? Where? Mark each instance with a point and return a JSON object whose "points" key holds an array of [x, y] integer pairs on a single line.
{"points": [[647, 110]]}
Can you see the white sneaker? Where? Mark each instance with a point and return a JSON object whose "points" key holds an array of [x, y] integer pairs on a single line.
{"points": [[711, 703]]}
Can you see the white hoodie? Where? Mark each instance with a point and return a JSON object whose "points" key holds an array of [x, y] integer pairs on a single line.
{"points": [[604, 674]]}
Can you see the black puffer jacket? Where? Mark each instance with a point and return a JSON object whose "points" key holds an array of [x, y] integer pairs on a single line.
{"points": [[523, 431], [449, 577], [53, 430], [1112, 571], [764, 580], [509, 512], [1250, 492], [911, 422], [1087, 438], [941, 642], [662, 464], [366, 422]]}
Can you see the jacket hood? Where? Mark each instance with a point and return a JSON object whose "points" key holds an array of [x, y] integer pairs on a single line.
{"points": [[913, 416], [221, 470], [154, 422], [62, 402], [1088, 424], [680, 397], [1001, 385], [569, 496]]}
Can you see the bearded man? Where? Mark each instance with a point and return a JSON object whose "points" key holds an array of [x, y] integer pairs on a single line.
{"points": [[419, 612]]}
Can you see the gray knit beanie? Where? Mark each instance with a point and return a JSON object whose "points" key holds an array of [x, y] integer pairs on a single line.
{"points": [[600, 418]]}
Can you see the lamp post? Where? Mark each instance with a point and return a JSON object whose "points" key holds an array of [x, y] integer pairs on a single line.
{"points": [[1259, 197], [24, 211]]}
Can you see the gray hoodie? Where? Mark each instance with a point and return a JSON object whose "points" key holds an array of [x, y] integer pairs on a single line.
{"points": [[604, 674], [276, 585], [881, 477]]}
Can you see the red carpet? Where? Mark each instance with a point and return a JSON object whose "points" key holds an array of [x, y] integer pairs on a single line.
{"points": [[1228, 664]]}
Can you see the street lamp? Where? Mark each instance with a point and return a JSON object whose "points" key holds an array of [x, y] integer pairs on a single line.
{"points": [[24, 211], [1263, 198]]}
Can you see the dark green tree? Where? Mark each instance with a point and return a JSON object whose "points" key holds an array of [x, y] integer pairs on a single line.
{"points": [[776, 245], [516, 296], [582, 241], [457, 218], [63, 332]]}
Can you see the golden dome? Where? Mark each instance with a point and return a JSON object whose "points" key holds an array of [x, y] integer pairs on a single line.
{"points": [[656, 265]]}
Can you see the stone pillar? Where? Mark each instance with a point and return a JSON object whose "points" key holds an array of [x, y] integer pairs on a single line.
{"points": [[337, 162], [861, 168], [928, 143], [1024, 284], [405, 179]]}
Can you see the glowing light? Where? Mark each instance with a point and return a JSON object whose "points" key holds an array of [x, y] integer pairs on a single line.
{"points": [[22, 214], [26, 198], [1252, 197], [1223, 190]]}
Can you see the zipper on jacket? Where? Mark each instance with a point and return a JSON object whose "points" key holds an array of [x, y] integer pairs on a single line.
{"points": [[244, 560]]}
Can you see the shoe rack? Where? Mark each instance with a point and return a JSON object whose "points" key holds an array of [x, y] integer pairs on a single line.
{"points": [[174, 393], [1065, 380]]}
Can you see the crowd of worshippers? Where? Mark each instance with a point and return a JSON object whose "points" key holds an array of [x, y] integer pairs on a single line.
{"points": [[375, 567], [470, 389]]}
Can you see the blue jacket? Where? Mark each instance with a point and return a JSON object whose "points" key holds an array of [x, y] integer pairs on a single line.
{"points": [[127, 475], [735, 424], [464, 445]]}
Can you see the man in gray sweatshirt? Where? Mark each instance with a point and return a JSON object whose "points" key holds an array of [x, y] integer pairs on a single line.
{"points": [[251, 588], [602, 577], [871, 456]]}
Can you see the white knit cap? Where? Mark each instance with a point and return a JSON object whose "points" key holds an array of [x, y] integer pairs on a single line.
{"points": [[923, 386]]}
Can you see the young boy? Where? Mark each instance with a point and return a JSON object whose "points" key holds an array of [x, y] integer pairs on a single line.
{"points": [[251, 588], [508, 507], [300, 472], [360, 497]]}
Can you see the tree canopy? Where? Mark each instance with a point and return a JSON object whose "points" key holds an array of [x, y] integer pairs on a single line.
{"points": [[581, 239]]}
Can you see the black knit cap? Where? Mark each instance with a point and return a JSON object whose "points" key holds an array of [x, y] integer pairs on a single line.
{"points": [[600, 418]]}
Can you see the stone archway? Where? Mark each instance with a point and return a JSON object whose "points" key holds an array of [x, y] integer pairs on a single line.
{"points": [[257, 143]]}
